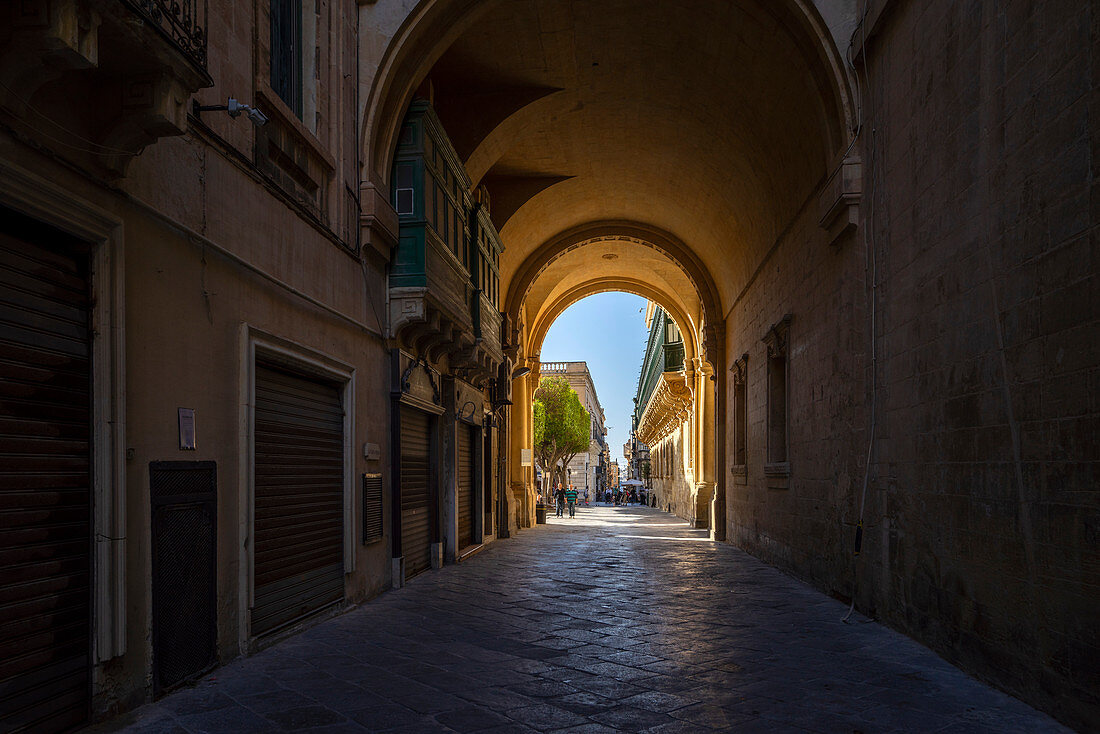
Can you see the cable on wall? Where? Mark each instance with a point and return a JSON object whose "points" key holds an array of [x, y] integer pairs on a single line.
{"points": [[869, 239]]}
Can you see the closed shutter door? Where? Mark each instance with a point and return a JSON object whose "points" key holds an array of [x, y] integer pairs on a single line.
{"points": [[45, 487], [417, 497], [464, 494], [299, 498]]}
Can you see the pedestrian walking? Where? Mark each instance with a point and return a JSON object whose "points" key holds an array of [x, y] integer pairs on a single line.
{"points": [[571, 498], [559, 500]]}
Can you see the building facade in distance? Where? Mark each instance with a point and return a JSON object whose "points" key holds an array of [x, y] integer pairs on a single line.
{"points": [[586, 470], [665, 421]]}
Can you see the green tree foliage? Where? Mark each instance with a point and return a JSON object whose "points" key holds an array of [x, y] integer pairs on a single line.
{"points": [[562, 426]]}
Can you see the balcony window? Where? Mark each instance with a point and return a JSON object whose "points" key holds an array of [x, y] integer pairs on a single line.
{"points": [[286, 52], [405, 195]]}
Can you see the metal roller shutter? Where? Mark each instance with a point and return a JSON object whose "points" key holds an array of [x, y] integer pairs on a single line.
{"points": [[417, 498], [464, 492], [299, 498], [45, 487]]}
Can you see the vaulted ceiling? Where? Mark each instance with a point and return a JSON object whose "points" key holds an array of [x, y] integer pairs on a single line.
{"points": [[711, 120]]}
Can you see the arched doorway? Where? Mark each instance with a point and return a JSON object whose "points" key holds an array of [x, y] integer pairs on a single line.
{"points": [[668, 150]]}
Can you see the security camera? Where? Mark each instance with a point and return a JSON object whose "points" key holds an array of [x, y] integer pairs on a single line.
{"points": [[235, 109], [259, 119]]}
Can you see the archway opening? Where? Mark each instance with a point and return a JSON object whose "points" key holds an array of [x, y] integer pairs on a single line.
{"points": [[657, 149], [630, 363]]}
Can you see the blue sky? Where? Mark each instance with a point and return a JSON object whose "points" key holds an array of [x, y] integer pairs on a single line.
{"points": [[608, 332]]}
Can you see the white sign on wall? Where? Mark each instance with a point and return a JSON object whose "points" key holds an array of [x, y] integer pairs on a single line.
{"points": [[525, 457]]}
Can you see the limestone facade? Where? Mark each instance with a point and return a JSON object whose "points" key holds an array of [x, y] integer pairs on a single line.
{"points": [[586, 469], [883, 268], [667, 423]]}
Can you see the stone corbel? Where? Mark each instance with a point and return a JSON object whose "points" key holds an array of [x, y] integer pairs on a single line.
{"points": [[378, 223], [838, 205], [710, 344], [407, 309], [776, 340], [48, 38], [740, 369], [406, 378], [150, 107]]}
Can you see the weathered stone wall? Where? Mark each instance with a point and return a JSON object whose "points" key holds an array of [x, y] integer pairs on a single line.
{"points": [[215, 242], [987, 242], [982, 515], [673, 479], [803, 522]]}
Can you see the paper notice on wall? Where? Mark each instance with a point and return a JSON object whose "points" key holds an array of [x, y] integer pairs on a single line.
{"points": [[525, 458]]}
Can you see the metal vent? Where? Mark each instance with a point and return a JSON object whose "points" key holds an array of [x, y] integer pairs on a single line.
{"points": [[372, 507], [184, 524]]}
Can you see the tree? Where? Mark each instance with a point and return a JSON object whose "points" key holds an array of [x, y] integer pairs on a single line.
{"points": [[562, 426]]}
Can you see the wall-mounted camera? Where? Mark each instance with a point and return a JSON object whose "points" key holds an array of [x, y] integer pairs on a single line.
{"points": [[234, 108]]}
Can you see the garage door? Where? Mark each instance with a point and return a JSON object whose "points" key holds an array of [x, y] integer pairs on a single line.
{"points": [[464, 493], [299, 497], [45, 486], [418, 500]]}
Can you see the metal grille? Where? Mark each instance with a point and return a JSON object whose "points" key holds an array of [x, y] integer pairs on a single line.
{"points": [[464, 489], [372, 507], [183, 22], [184, 523]]}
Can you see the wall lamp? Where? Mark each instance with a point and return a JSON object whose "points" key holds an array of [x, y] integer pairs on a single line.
{"points": [[461, 413], [521, 372]]}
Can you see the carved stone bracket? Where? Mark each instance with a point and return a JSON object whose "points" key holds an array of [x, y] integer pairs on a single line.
{"points": [[152, 107], [672, 403], [406, 379], [740, 369], [421, 325], [378, 222], [141, 80], [838, 205], [46, 39], [777, 337]]}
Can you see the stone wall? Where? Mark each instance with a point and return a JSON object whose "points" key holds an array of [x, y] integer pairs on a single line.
{"points": [[981, 517], [672, 479]]}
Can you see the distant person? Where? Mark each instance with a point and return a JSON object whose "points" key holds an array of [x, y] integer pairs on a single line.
{"points": [[571, 498], [586, 498], [559, 500]]}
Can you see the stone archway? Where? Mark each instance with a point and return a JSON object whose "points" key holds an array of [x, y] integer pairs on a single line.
{"points": [[407, 42], [639, 259], [694, 137]]}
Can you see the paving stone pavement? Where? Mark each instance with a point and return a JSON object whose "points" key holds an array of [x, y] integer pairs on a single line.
{"points": [[622, 619]]}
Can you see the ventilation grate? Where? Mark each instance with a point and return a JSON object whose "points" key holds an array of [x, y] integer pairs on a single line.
{"points": [[372, 507], [184, 506]]}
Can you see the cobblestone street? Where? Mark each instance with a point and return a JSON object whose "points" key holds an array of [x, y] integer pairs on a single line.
{"points": [[621, 619]]}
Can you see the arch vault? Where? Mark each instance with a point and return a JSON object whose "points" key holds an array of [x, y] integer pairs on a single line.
{"points": [[662, 149]]}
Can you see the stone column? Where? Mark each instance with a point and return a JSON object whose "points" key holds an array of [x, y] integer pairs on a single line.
{"points": [[517, 441], [714, 440], [532, 384], [706, 402]]}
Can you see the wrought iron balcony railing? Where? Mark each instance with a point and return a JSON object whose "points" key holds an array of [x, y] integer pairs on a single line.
{"points": [[181, 22]]}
